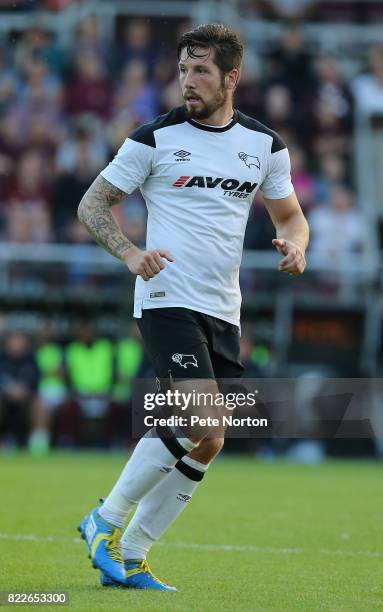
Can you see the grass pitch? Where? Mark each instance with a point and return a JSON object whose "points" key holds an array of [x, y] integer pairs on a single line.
{"points": [[256, 537]]}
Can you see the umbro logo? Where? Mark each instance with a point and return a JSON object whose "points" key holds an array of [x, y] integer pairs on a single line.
{"points": [[182, 155], [166, 469], [183, 497]]}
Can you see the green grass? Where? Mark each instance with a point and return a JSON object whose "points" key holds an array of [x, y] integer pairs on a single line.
{"points": [[303, 538]]}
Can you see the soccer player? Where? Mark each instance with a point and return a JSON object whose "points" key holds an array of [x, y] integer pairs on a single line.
{"points": [[198, 168]]}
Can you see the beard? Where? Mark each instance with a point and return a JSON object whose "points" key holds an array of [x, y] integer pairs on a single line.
{"points": [[208, 108]]}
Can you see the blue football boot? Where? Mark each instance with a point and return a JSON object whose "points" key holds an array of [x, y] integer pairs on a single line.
{"points": [[137, 576], [104, 547]]}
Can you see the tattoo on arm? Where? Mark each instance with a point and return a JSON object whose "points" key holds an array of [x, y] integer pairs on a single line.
{"points": [[95, 213]]}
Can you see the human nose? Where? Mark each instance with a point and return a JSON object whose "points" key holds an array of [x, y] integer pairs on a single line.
{"points": [[189, 82]]}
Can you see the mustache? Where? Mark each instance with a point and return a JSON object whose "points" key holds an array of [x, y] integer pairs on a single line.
{"points": [[189, 95]]}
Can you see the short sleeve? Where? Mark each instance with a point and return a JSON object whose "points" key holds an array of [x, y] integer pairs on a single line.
{"points": [[277, 183], [131, 166]]}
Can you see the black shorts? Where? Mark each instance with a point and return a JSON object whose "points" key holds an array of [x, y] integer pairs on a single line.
{"points": [[183, 344]]}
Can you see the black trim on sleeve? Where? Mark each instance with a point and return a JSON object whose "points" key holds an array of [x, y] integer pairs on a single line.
{"points": [[145, 133], [189, 471], [252, 124]]}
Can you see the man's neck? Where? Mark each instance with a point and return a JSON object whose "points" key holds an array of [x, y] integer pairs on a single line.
{"points": [[220, 118]]}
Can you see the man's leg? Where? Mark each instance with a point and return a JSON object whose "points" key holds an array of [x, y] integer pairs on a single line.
{"points": [[176, 340], [165, 502], [151, 460], [166, 332], [182, 481]]}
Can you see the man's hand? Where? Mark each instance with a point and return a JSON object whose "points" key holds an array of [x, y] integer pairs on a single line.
{"points": [[145, 263], [294, 261]]}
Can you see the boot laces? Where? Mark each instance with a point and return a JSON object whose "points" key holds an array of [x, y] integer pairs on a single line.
{"points": [[144, 567], [114, 546]]}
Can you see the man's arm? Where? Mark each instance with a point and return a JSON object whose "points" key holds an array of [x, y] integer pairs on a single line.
{"points": [[292, 232], [95, 213]]}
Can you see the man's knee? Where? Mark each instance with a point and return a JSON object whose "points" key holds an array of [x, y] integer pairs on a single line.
{"points": [[207, 449], [201, 407], [213, 445]]}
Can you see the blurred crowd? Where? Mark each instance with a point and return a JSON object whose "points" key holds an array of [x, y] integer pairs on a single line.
{"points": [[64, 112], [78, 392]]}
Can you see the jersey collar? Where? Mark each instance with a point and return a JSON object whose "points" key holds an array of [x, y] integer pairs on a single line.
{"points": [[210, 128]]}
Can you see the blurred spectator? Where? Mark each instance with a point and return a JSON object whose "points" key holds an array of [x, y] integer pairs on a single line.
{"points": [[135, 95], [90, 367], [29, 183], [136, 44], [280, 111], [89, 90], [18, 4], [52, 390], [85, 152], [259, 230], [167, 74], [256, 358], [248, 96], [132, 218], [302, 179], [129, 358], [368, 88], [171, 95], [28, 224], [332, 170], [11, 143], [332, 90], [78, 273], [293, 9], [119, 128], [19, 379], [27, 201], [78, 161], [36, 43], [50, 360], [332, 108], [36, 112], [290, 64], [338, 227], [40, 86], [88, 39], [279, 9], [58, 5], [330, 133], [8, 81]]}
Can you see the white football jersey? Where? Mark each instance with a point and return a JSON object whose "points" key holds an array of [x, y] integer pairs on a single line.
{"points": [[198, 183]]}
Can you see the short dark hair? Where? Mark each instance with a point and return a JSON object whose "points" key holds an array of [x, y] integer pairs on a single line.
{"points": [[228, 48]]}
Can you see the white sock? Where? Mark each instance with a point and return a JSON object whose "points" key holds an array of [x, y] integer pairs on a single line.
{"points": [[149, 463], [160, 507]]}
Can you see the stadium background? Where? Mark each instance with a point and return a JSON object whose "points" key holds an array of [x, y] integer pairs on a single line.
{"points": [[75, 79], [262, 533]]}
